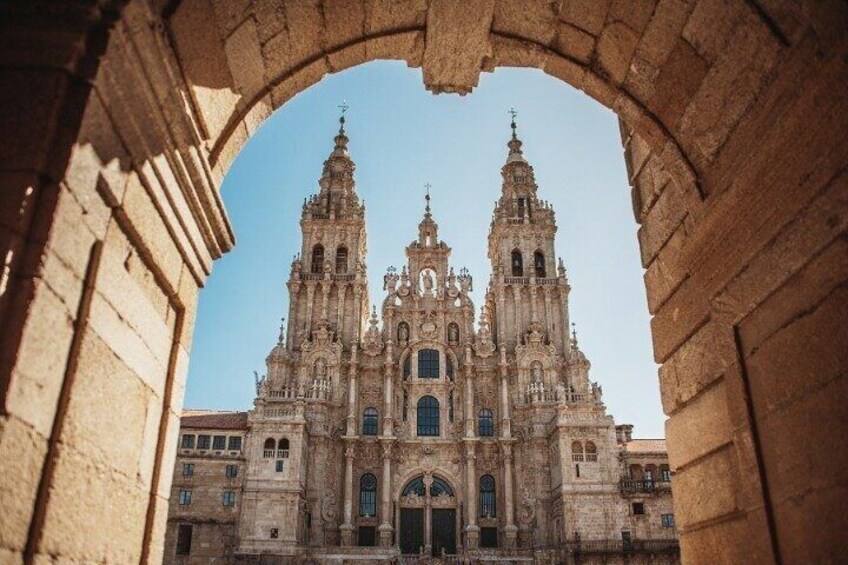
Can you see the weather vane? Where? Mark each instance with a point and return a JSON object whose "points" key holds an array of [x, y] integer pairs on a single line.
{"points": [[513, 113], [343, 106]]}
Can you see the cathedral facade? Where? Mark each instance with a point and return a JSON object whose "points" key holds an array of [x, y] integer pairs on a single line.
{"points": [[413, 427]]}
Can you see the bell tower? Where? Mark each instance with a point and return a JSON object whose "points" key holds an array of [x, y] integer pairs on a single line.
{"points": [[528, 286], [328, 285]]}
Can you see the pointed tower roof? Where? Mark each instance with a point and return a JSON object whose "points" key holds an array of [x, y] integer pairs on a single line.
{"points": [[515, 154], [428, 229]]}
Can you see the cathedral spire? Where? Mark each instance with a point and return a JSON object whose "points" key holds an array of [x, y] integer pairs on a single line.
{"points": [[514, 144]]}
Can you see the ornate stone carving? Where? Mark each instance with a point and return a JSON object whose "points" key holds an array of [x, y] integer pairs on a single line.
{"points": [[328, 507], [372, 343]]}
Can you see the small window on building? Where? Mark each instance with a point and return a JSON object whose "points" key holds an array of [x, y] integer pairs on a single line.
{"points": [[234, 443], [369, 422], [188, 469], [229, 498], [428, 416], [638, 508], [184, 539], [185, 497], [317, 265], [665, 474], [667, 520], [219, 442], [627, 540], [577, 470], [341, 260], [648, 476], [232, 471], [367, 536], [203, 441], [576, 451], [488, 500], [188, 441], [279, 466], [283, 448], [275, 533], [486, 423], [368, 495], [428, 364], [539, 264], [517, 263], [269, 447]]}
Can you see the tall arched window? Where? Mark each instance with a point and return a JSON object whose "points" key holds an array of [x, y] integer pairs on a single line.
{"points": [[486, 423], [428, 364], [341, 260], [368, 495], [576, 451], [591, 451], [428, 416], [317, 265], [488, 499], [539, 264], [269, 447], [369, 422], [517, 263], [283, 448]]}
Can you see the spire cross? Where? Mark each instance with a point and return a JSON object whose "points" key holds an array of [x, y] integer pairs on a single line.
{"points": [[427, 186], [282, 329]]}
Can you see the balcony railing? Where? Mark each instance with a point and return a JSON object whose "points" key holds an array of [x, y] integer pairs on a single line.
{"points": [[624, 546], [539, 392], [275, 453], [643, 485]]}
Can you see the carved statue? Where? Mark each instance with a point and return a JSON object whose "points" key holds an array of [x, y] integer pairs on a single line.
{"points": [[453, 333], [427, 281], [403, 333], [320, 369], [536, 372], [527, 508]]}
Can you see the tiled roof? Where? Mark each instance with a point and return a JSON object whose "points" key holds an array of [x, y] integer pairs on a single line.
{"points": [[645, 446], [214, 419]]}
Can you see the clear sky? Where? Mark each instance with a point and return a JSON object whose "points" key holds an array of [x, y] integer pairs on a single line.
{"points": [[402, 137]]}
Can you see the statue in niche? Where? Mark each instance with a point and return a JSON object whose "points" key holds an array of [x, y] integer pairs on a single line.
{"points": [[536, 372], [320, 369], [427, 281], [403, 332], [453, 333]]}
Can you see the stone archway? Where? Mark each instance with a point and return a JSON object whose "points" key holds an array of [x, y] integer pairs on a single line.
{"points": [[122, 117]]}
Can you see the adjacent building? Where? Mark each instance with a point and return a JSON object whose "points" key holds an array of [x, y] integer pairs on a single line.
{"points": [[413, 428]]}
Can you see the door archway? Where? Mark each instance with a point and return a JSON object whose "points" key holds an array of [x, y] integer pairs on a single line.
{"points": [[428, 519]]}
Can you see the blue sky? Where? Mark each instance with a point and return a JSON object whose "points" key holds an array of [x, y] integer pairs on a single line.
{"points": [[402, 137]]}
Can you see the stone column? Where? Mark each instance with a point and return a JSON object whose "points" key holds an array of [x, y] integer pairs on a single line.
{"points": [[342, 290], [347, 527], [501, 337], [293, 321], [548, 314], [472, 530], [388, 392], [506, 421], [357, 311], [310, 298], [385, 528], [510, 529], [352, 391], [428, 518], [519, 325], [534, 315], [326, 285], [563, 304]]}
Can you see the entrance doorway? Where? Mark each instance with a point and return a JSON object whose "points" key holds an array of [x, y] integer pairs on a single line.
{"points": [[428, 517]]}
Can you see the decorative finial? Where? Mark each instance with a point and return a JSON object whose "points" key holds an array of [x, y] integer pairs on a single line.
{"points": [[513, 113], [343, 106], [281, 338], [427, 186], [574, 333]]}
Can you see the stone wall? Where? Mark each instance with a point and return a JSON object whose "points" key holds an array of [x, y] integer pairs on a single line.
{"points": [[121, 119]]}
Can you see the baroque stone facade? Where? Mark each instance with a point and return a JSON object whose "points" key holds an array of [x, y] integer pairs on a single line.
{"points": [[412, 429]]}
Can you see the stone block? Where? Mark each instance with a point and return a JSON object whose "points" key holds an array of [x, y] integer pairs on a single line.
{"points": [[536, 21], [244, 57], [678, 79], [405, 46], [230, 14], [701, 426], [565, 70], [575, 43], [615, 48], [663, 31], [711, 24], [343, 22], [22, 453], [387, 15], [660, 222], [741, 539], [697, 505], [588, 15], [109, 532], [700, 361]]}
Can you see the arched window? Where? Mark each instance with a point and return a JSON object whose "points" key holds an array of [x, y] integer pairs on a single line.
{"points": [[428, 364], [591, 451], [539, 264], [341, 260], [440, 486], [428, 416], [269, 447], [486, 423], [368, 495], [283, 448], [317, 265], [369, 422], [488, 500], [576, 451], [403, 333], [407, 367], [415, 486], [517, 263]]}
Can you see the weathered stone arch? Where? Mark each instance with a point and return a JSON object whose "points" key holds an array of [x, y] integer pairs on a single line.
{"points": [[733, 118]]}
